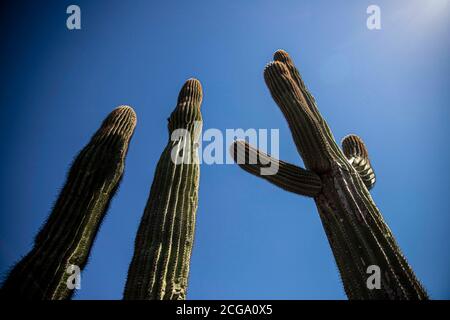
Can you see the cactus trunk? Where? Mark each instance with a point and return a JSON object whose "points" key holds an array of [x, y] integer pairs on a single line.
{"points": [[360, 238], [67, 236], [160, 265]]}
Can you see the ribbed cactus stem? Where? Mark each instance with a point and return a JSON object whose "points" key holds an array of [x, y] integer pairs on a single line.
{"points": [[67, 236], [288, 176], [356, 152], [305, 130], [355, 228], [160, 265]]}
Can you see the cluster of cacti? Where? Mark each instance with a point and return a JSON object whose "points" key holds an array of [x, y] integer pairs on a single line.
{"points": [[160, 265], [67, 236], [338, 181]]}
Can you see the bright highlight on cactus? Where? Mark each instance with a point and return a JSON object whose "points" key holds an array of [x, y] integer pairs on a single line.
{"points": [[339, 183], [356, 152], [67, 236], [160, 265]]}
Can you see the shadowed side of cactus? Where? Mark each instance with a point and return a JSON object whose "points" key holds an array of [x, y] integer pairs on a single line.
{"points": [[68, 234], [357, 233], [160, 265]]}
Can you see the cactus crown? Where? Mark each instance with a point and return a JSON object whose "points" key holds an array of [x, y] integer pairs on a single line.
{"points": [[357, 155], [187, 110], [353, 146]]}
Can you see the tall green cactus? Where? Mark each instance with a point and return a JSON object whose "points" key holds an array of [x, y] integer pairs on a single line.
{"points": [[339, 184], [67, 236], [160, 265]]}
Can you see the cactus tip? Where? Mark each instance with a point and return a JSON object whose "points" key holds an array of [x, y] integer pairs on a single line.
{"points": [[192, 89], [281, 55], [352, 145], [125, 109], [275, 67], [122, 117]]}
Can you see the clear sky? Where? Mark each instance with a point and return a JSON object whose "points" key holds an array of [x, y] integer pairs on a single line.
{"points": [[253, 240]]}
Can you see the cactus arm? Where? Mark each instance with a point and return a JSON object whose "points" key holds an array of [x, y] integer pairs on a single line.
{"points": [[356, 152], [68, 235], [160, 265], [288, 176]]}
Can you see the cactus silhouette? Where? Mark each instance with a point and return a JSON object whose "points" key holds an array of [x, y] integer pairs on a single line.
{"points": [[67, 236], [338, 181], [160, 265]]}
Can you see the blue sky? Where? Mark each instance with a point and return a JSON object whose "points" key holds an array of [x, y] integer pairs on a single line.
{"points": [[253, 240]]}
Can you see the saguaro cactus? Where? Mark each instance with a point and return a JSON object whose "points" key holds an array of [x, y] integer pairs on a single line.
{"points": [[160, 265], [338, 181], [67, 237]]}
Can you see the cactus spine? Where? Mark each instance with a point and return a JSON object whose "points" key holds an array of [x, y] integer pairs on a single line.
{"points": [[68, 235], [355, 228], [160, 265]]}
